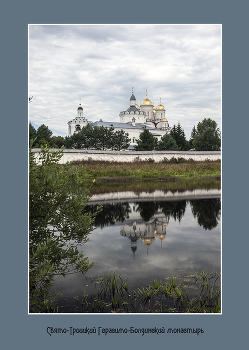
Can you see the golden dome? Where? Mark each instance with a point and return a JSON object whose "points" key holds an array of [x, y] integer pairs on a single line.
{"points": [[161, 236], [160, 107], [154, 111], [147, 241], [146, 101], [165, 120]]}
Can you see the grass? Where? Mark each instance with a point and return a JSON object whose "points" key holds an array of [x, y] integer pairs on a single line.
{"points": [[197, 293], [146, 170]]}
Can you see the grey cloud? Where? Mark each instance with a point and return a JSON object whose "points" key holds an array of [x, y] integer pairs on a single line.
{"points": [[100, 64]]}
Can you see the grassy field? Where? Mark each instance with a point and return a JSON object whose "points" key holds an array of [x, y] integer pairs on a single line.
{"points": [[145, 170]]}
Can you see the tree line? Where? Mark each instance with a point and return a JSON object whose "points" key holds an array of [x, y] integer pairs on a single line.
{"points": [[205, 137]]}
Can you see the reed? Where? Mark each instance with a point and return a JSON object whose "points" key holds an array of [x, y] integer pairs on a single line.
{"points": [[113, 294], [146, 170]]}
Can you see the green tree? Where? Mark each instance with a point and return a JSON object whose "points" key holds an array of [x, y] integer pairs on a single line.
{"points": [[167, 143], [193, 133], [207, 137], [58, 221], [98, 137], [178, 135], [77, 140], [146, 141], [32, 132], [120, 140], [103, 137], [43, 133], [57, 141]]}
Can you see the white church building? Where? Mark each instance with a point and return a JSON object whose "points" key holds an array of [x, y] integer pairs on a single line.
{"points": [[132, 121]]}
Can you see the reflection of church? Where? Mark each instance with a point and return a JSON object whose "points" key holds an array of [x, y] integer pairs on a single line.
{"points": [[147, 231]]}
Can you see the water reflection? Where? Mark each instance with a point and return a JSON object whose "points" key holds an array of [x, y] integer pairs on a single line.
{"points": [[148, 220], [206, 211], [152, 239]]}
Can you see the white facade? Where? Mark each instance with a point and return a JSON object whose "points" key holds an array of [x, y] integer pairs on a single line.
{"points": [[77, 123], [132, 121]]}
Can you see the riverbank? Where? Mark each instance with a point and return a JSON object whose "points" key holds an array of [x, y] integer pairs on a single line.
{"points": [[107, 185], [167, 172]]}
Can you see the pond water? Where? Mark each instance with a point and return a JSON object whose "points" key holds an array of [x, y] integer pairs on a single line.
{"points": [[148, 236]]}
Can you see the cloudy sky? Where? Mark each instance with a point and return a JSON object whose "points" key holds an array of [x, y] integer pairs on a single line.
{"points": [[99, 64]]}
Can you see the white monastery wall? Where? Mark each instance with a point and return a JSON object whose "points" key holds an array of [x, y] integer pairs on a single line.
{"points": [[70, 155]]}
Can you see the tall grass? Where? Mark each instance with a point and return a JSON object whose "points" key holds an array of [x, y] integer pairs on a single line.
{"points": [[147, 170], [114, 295]]}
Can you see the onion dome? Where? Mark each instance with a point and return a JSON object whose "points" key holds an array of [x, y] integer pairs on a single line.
{"points": [[147, 241], [79, 108], [132, 96], [165, 120], [161, 236], [154, 111], [160, 107], [146, 101]]}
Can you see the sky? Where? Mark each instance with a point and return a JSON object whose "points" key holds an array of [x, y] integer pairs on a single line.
{"points": [[98, 65]]}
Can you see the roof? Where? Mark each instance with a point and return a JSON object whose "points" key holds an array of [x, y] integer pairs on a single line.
{"points": [[120, 125], [132, 109], [132, 97]]}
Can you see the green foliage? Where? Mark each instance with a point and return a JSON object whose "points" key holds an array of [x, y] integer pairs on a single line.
{"points": [[43, 133], [98, 137], [178, 135], [177, 160], [207, 137], [167, 143], [146, 141], [120, 140], [102, 137], [57, 223], [32, 133], [193, 133], [42, 137], [57, 141]]}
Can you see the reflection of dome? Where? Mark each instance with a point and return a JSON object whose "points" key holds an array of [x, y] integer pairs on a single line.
{"points": [[133, 240], [161, 236], [147, 241]]}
